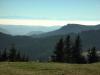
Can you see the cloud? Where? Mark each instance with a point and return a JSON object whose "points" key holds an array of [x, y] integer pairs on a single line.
{"points": [[41, 22]]}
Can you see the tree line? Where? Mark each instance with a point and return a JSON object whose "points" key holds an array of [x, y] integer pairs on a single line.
{"points": [[12, 55], [69, 51]]}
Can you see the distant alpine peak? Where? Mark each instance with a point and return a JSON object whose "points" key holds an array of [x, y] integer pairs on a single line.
{"points": [[73, 24]]}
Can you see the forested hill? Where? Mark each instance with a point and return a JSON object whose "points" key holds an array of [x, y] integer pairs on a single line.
{"points": [[43, 47]]}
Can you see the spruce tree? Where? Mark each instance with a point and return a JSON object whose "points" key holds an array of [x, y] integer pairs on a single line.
{"points": [[67, 50], [18, 56], [12, 53], [92, 55], [77, 51], [59, 53], [4, 55]]}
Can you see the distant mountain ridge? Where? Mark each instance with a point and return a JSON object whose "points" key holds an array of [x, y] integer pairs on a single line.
{"points": [[24, 30], [70, 28], [34, 33], [4, 31]]}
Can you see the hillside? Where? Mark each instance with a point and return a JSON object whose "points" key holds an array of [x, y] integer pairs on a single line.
{"points": [[4, 31], [42, 48], [70, 28], [34, 68]]}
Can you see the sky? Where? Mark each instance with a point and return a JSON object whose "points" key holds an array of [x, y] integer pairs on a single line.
{"points": [[49, 12]]}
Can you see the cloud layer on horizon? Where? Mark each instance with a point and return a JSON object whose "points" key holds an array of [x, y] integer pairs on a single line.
{"points": [[35, 22]]}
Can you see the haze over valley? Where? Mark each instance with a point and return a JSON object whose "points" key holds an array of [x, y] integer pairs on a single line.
{"points": [[49, 37]]}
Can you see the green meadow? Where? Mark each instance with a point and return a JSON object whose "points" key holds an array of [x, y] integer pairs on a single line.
{"points": [[36, 68]]}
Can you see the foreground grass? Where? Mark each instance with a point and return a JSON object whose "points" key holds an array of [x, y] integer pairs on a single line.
{"points": [[33, 68]]}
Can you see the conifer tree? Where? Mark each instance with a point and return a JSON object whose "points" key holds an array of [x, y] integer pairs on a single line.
{"points": [[59, 53], [92, 55], [4, 55], [12, 53], [77, 51], [67, 49], [68, 52]]}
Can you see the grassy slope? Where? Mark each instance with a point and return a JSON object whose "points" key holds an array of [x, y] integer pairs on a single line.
{"points": [[32, 68]]}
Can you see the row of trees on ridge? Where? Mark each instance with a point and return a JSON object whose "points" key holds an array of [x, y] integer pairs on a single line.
{"points": [[12, 55], [71, 52]]}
